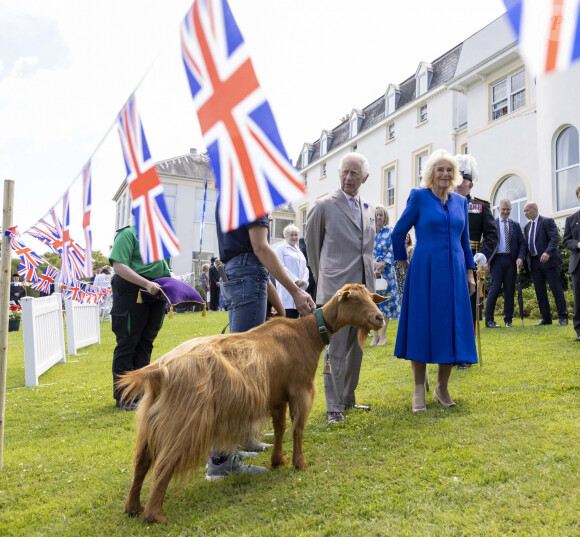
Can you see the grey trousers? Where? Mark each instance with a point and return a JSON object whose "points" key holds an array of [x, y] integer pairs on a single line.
{"points": [[345, 361]]}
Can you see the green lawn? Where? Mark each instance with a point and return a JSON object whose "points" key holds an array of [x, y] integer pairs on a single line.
{"points": [[505, 461]]}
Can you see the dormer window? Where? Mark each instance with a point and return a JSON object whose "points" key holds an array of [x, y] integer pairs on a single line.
{"points": [[392, 98], [356, 118], [423, 78], [306, 154], [325, 141]]}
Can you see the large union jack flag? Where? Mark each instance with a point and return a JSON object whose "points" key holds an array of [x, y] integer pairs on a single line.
{"points": [[87, 205], [548, 32], [251, 167], [46, 279], [157, 239]]}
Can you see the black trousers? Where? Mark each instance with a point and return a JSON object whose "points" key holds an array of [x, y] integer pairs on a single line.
{"points": [[542, 274], [576, 287], [503, 274], [135, 326], [214, 296]]}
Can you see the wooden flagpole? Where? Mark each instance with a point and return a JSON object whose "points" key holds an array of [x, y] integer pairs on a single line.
{"points": [[4, 303]]}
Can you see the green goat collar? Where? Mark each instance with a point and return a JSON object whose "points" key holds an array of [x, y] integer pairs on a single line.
{"points": [[324, 331]]}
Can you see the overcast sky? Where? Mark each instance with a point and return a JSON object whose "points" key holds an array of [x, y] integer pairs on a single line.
{"points": [[68, 66]]}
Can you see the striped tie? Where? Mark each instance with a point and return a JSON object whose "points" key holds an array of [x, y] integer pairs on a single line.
{"points": [[506, 233]]}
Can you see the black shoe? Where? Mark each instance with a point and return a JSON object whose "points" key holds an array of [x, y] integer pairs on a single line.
{"points": [[576, 339], [492, 324], [563, 322], [358, 407], [508, 324], [335, 417], [543, 322], [463, 366]]}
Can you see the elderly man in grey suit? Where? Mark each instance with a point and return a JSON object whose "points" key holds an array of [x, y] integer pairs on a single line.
{"points": [[340, 236], [572, 242]]}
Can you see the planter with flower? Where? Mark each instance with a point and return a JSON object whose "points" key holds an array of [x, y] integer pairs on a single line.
{"points": [[14, 318]]}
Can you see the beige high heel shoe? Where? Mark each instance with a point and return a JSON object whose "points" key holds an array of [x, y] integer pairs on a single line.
{"points": [[437, 398], [417, 408]]}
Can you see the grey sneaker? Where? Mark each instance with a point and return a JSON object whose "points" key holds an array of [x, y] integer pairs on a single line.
{"points": [[246, 454], [232, 466], [335, 418]]}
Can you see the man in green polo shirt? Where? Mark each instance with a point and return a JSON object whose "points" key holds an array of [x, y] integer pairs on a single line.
{"points": [[135, 325]]}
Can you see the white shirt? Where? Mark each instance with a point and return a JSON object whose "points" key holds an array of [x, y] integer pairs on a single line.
{"points": [[294, 262]]}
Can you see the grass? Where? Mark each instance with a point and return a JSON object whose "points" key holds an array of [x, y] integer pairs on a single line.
{"points": [[504, 462]]}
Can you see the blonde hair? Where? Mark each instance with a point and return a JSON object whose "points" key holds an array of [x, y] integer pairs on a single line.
{"points": [[289, 229], [205, 267], [385, 212], [429, 169]]}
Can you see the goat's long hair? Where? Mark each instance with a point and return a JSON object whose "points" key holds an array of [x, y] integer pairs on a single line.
{"points": [[196, 398]]}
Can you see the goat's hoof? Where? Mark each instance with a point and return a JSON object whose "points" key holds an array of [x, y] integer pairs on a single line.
{"points": [[301, 466], [159, 518], [132, 510], [276, 463]]}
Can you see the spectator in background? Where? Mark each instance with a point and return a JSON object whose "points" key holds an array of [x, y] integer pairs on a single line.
{"points": [[541, 234], [503, 263], [103, 277], [214, 285], [572, 242], [16, 290], [204, 278], [294, 262]]}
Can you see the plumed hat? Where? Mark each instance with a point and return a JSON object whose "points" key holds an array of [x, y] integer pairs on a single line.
{"points": [[177, 293], [467, 167]]}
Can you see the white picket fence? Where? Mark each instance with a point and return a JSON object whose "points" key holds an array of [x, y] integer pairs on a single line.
{"points": [[43, 334], [82, 325]]}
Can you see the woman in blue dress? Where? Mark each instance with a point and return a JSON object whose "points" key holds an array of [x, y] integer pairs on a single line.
{"points": [[385, 271], [435, 324]]}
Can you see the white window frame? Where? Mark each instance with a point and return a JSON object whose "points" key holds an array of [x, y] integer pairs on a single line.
{"points": [[353, 126], [323, 145], [323, 170], [564, 169], [390, 132], [422, 113], [390, 186], [507, 104], [421, 160], [422, 84]]}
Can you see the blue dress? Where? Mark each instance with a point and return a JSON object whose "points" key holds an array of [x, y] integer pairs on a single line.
{"points": [[435, 324], [384, 252]]}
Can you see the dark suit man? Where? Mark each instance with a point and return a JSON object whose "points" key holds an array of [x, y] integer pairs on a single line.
{"points": [[572, 242], [544, 260], [508, 254], [340, 237], [214, 285]]}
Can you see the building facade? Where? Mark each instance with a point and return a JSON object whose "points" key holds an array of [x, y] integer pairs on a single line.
{"points": [[477, 98]]}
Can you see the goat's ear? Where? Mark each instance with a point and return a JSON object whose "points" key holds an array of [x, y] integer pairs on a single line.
{"points": [[345, 295], [377, 299]]}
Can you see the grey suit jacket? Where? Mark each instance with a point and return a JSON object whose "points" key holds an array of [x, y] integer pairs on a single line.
{"points": [[572, 238], [339, 251]]}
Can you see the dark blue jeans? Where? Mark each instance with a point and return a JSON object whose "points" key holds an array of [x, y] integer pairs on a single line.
{"points": [[245, 292]]}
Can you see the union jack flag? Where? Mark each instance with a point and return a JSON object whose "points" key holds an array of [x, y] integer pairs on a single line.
{"points": [[73, 256], [157, 239], [548, 32], [73, 292], [250, 164], [46, 279], [27, 271], [27, 256], [87, 205]]}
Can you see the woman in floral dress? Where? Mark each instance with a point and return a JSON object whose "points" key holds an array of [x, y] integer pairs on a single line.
{"points": [[385, 270]]}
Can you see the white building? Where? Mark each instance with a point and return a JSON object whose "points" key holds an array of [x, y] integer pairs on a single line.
{"points": [[477, 98]]}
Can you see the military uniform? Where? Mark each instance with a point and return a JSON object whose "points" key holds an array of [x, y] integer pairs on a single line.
{"points": [[482, 234]]}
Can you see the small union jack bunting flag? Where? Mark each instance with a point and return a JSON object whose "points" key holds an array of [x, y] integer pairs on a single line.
{"points": [[157, 239], [49, 236], [27, 256], [87, 205], [251, 167], [46, 279]]}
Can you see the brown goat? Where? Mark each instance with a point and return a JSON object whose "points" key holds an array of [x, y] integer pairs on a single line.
{"points": [[213, 390]]}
